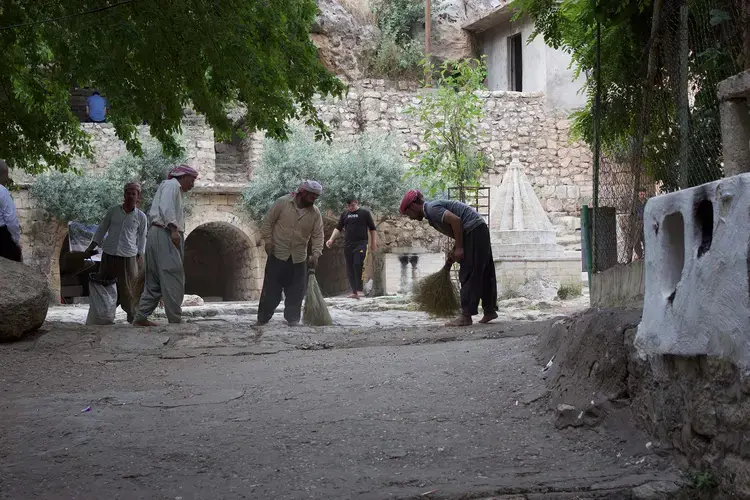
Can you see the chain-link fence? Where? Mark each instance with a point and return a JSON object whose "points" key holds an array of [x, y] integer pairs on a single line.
{"points": [[658, 127]]}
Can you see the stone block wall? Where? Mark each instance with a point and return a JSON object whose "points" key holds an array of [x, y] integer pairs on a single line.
{"points": [[559, 170], [699, 407]]}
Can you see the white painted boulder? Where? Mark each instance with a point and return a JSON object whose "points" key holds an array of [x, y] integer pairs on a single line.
{"points": [[24, 299], [697, 296]]}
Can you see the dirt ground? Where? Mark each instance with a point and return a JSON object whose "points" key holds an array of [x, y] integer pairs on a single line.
{"points": [[385, 404]]}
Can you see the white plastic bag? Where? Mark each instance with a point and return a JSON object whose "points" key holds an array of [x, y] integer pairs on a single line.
{"points": [[102, 301]]}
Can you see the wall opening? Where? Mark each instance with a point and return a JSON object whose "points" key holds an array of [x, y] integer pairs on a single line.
{"points": [[515, 63], [673, 244], [704, 222], [232, 158], [218, 263]]}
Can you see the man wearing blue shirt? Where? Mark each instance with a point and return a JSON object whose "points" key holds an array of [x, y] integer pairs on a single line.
{"points": [[96, 108]]}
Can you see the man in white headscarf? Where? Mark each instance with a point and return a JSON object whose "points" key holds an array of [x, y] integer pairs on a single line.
{"points": [[292, 222], [165, 248]]}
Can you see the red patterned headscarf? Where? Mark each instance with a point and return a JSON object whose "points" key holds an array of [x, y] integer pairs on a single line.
{"points": [[410, 197]]}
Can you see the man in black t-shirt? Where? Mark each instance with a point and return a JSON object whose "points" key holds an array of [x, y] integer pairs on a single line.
{"points": [[356, 223]]}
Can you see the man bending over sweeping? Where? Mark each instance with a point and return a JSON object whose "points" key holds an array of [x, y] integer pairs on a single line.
{"points": [[286, 229], [122, 250], [472, 249], [165, 248]]}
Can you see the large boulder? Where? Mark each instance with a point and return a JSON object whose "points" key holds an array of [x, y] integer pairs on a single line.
{"points": [[24, 299]]}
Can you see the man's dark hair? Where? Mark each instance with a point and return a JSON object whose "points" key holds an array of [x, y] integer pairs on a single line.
{"points": [[96, 92], [351, 199]]}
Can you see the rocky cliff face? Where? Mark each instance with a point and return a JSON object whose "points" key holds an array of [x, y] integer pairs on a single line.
{"points": [[344, 38], [449, 41]]}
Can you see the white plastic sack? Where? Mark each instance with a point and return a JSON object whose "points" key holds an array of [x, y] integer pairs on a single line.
{"points": [[102, 301]]}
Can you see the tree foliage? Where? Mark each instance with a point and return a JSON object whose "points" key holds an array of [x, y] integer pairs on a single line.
{"points": [[450, 115], [401, 45], [367, 166], [85, 197], [150, 60], [715, 53]]}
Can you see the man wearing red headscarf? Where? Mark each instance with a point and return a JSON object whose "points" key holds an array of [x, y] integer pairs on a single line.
{"points": [[472, 249], [165, 247], [125, 227]]}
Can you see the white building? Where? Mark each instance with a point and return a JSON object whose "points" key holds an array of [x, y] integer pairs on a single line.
{"points": [[515, 64]]}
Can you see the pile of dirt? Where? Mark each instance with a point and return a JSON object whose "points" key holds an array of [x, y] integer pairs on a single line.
{"points": [[589, 360]]}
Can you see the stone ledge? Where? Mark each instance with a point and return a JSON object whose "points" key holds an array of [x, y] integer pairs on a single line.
{"points": [[735, 87], [220, 188]]}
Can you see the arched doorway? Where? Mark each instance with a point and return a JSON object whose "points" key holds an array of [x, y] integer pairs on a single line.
{"points": [[219, 264]]}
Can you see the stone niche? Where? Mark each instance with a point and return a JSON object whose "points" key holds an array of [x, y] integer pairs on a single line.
{"points": [[696, 270]]}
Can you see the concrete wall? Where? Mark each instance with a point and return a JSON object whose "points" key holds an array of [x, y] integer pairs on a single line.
{"points": [[619, 286], [697, 293]]}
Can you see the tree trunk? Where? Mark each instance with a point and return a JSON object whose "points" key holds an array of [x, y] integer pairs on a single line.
{"points": [[682, 99], [643, 122]]}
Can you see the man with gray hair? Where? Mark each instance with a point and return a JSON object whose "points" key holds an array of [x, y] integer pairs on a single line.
{"points": [[286, 230], [123, 247], [10, 229]]}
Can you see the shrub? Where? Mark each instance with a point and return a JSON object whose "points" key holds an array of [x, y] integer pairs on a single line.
{"points": [[569, 291], [368, 166], [86, 196]]}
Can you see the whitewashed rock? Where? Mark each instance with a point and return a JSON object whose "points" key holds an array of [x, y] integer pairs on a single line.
{"points": [[24, 299], [192, 300], [539, 288]]}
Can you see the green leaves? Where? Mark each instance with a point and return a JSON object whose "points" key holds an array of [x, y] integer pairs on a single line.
{"points": [[150, 60], [715, 40], [450, 115], [368, 166], [86, 197]]}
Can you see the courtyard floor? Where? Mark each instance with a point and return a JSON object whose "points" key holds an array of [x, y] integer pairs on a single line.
{"points": [[385, 404]]}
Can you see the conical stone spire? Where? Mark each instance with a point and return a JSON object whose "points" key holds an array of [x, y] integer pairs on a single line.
{"points": [[519, 226]]}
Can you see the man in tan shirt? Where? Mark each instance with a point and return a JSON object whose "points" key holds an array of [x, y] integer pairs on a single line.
{"points": [[291, 223]]}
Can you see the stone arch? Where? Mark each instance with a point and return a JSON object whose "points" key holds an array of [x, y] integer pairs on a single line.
{"points": [[221, 260], [50, 264]]}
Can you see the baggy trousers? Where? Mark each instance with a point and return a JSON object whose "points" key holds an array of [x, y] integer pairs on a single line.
{"points": [[165, 276], [282, 276], [124, 270], [477, 273], [355, 260], [8, 248]]}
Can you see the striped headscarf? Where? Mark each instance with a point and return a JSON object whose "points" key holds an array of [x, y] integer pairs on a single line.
{"points": [[181, 170]]}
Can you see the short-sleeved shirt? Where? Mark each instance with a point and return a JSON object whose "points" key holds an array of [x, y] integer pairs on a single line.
{"points": [[97, 105], [434, 212], [356, 226]]}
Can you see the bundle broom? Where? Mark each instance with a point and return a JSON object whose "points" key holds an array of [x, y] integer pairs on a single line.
{"points": [[436, 294], [316, 312], [136, 286]]}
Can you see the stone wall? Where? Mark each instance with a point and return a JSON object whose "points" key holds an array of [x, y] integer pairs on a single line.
{"points": [[699, 407], [559, 170]]}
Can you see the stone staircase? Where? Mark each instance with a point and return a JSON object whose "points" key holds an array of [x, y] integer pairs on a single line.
{"points": [[568, 232]]}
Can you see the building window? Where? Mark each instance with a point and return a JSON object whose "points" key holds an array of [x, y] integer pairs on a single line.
{"points": [[515, 63]]}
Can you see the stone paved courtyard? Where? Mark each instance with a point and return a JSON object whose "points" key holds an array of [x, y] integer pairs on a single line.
{"points": [[385, 404]]}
